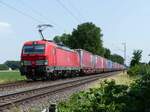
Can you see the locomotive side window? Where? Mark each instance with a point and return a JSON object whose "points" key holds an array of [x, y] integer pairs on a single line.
{"points": [[34, 49]]}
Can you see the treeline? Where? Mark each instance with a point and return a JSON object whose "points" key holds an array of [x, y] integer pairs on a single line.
{"points": [[14, 65], [89, 37]]}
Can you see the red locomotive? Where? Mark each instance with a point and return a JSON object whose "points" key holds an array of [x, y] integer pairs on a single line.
{"points": [[45, 59]]}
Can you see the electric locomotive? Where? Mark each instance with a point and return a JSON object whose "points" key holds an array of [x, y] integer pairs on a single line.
{"points": [[44, 59]]}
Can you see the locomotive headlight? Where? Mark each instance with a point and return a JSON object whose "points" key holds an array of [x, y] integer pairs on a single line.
{"points": [[26, 62], [41, 62], [46, 62], [21, 63]]}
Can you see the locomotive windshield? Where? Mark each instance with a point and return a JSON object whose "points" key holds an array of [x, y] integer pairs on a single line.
{"points": [[34, 49]]}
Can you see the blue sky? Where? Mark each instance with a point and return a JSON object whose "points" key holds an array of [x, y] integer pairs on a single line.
{"points": [[120, 20]]}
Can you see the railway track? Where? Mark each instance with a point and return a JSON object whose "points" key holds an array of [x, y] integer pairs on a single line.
{"points": [[26, 84], [18, 98], [9, 86], [21, 84]]}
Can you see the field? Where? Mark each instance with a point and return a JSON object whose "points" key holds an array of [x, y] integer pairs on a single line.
{"points": [[10, 76]]}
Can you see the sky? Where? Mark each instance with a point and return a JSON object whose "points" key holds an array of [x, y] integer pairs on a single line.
{"points": [[121, 21]]}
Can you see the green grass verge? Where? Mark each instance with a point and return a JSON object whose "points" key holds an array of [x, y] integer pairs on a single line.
{"points": [[122, 78], [10, 76]]}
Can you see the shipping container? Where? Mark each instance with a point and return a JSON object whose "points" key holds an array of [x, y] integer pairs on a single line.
{"points": [[86, 61], [104, 64], [86, 58], [109, 65], [98, 64]]}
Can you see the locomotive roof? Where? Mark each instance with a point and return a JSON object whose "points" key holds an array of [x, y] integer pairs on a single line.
{"points": [[39, 42]]}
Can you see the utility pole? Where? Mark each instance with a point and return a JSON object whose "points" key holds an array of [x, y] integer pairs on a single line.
{"points": [[149, 61], [125, 48]]}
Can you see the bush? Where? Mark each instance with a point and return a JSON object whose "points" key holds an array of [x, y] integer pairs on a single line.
{"points": [[13, 64], [3, 67], [110, 97], [139, 70], [138, 95]]}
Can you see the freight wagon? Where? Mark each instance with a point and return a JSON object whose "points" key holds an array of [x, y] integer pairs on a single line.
{"points": [[98, 64], [86, 61]]}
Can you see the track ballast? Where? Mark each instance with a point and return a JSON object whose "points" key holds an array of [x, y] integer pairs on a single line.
{"points": [[9, 100]]}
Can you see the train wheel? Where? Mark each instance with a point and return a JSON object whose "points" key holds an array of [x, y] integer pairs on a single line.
{"points": [[34, 79], [53, 76], [45, 78], [29, 77]]}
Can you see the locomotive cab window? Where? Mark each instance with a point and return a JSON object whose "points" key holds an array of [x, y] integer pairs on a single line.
{"points": [[34, 49]]}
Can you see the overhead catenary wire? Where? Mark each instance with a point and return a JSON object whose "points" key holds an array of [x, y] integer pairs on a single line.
{"points": [[63, 6], [42, 15], [21, 12], [32, 9], [75, 8]]}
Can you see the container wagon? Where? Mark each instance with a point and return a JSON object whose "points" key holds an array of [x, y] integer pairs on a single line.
{"points": [[86, 61]]}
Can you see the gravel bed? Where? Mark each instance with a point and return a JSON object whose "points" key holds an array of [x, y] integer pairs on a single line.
{"points": [[51, 99], [34, 86], [41, 103]]}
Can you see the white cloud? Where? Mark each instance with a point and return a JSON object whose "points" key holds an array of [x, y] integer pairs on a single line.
{"points": [[4, 25], [5, 28]]}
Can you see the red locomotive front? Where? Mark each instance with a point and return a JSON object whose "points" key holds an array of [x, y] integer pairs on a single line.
{"points": [[44, 59]]}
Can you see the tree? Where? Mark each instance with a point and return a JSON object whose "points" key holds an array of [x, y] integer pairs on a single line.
{"points": [[107, 53], [117, 58], [89, 37], [149, 62], [137, 55], [13, 64], [57, 39], [64, 39]]}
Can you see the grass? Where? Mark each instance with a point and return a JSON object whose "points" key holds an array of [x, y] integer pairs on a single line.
{"points": [[122, 78], [10, 76]]}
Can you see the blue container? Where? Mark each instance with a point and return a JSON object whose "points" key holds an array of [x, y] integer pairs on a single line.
{"points": [[109, 65]]}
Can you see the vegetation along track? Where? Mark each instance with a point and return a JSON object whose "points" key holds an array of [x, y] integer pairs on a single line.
{"points": [[17, 98]]}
